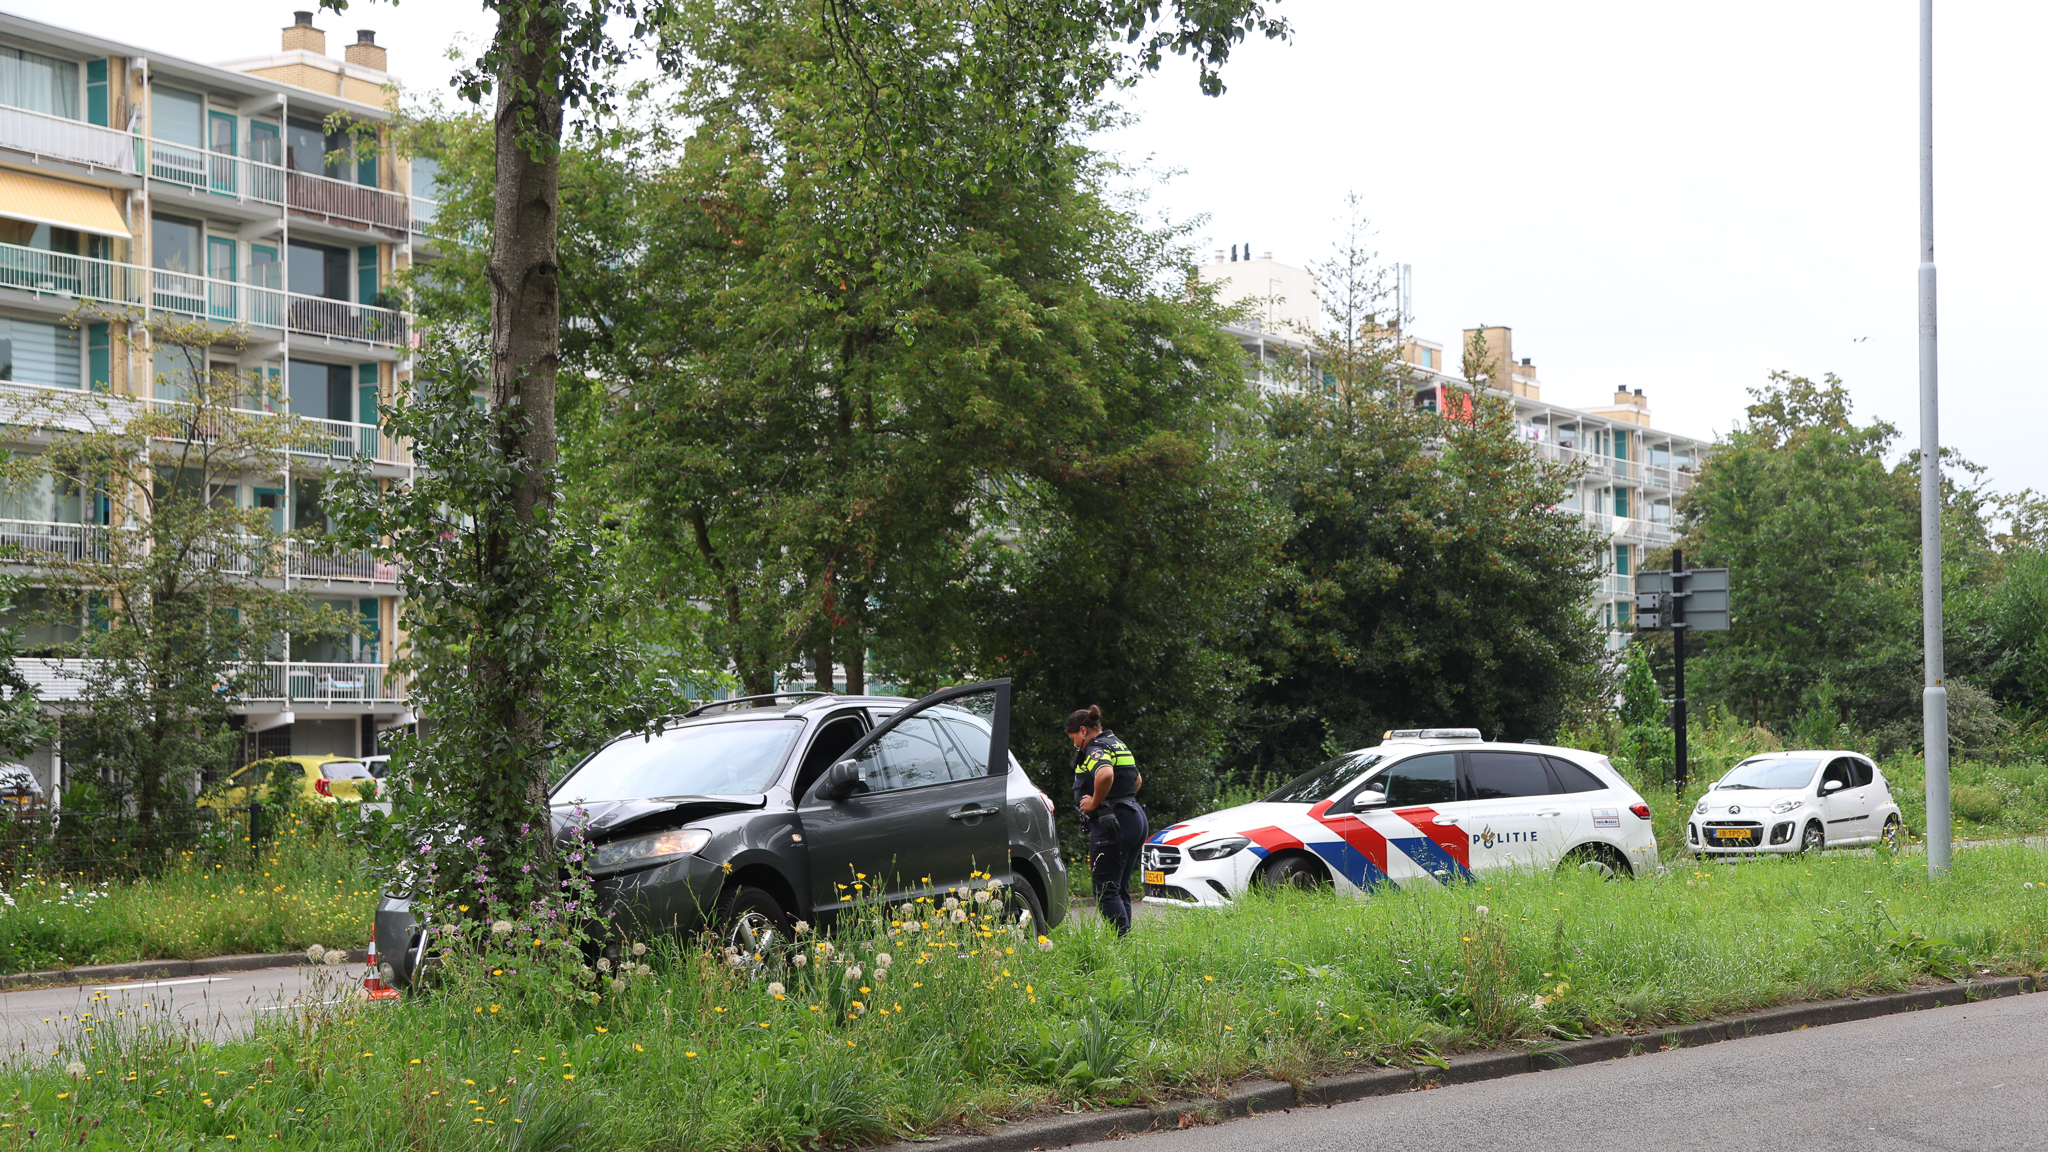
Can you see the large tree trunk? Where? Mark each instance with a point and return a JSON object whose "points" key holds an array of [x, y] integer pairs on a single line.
{"points": [[525, 347]]}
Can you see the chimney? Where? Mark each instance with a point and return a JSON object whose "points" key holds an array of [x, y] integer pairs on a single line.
{"points": [[303, 37], [365, 52]]}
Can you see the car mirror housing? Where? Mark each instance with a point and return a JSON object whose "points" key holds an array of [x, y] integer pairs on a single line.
{"points": [[1830, 786], [840, 780], [1370, 798]]}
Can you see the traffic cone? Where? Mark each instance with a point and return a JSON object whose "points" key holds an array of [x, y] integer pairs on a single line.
{"points": [[374, 987]]}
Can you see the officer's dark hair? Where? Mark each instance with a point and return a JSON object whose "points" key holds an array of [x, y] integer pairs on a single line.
{"points": [[1089, 717]]}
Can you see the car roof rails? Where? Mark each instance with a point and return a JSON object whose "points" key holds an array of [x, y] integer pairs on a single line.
{"points": [[765, 698]]}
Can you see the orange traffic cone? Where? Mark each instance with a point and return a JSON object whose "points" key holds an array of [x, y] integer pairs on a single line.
{"points": [[374, 987]]}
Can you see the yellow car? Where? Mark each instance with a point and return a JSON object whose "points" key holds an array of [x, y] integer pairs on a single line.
{"points": [[319, 780]]}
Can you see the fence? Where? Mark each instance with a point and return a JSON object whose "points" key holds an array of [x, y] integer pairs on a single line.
{"points": [[41, 134], [40, 841]]}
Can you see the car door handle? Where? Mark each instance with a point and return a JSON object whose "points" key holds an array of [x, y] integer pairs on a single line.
{"points": [[973, 813], [1549, 815], [1449, 820]]}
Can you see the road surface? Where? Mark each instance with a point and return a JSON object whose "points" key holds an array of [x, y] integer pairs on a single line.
{"points": [[217, 1007], [1967, 1078]]}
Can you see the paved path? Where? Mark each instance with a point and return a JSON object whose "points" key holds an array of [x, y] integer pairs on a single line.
{"points": [[217, 1007], [1967, 1078]]}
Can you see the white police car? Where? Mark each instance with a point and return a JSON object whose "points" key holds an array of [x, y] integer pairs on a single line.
{"points": [[1426, 804], [1799, 801]]}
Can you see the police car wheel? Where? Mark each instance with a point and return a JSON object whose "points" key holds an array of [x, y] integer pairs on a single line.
{"points": [[1594, 859], [1297, 872]]}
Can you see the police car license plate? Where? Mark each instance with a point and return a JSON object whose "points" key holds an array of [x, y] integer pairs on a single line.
{"points": [[1152, 877], [1731, 833]]}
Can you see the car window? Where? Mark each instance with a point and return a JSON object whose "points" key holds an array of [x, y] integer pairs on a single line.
{"points": [[1769, 772], [1319, 783], [1839, 770], [1503, 775], [736, 758], [831, 743], [1861, 772], [910, 755], [1574, 777], [1431, 779], [344, 770], [971, 742]]}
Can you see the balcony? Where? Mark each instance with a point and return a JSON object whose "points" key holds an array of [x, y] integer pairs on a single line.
{"points": [[27, 541], [358, 207], [341, 320], [67, 277], [40, 134], [290, 681], [30, 542]]}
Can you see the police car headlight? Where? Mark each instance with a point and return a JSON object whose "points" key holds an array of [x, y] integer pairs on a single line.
{"points": [[1218, 849], [641, 851], [1784, 806]]}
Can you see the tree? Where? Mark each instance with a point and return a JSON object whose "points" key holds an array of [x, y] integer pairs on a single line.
{"points": [[1428, 578], [1822, 540], [164, 581]]}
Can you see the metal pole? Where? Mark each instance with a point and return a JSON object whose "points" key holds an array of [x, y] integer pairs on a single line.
{"points": [[1934, 700], [1678, 657]]}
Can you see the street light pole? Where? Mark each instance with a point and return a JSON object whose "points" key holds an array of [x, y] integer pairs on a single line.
{"points": [[1934, 699]]}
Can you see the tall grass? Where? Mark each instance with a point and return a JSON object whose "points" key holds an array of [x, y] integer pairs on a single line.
{"points": [[972, 1022], [302, 886]]}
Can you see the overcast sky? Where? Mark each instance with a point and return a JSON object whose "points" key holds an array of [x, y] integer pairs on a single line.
{"points": [[1673, 198]]}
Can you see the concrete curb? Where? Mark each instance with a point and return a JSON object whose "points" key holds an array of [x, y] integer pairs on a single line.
{"points": [[1252, 1097], [160, 969]]}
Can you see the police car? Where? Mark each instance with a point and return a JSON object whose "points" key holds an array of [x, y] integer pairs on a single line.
{"points": [[1800, 801], [1426, 804]]}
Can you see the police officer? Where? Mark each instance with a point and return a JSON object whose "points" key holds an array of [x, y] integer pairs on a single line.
{"points": [[1106, 783]]}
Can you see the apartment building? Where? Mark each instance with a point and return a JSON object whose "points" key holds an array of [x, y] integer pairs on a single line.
{"points": [[1632, 474], [259, 195]]}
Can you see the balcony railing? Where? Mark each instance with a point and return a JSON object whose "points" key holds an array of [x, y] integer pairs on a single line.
{"points": [[316, 438], [69, 277], [41, 134], [288, 681], [32, 541], [308, 194], [341, 320]]}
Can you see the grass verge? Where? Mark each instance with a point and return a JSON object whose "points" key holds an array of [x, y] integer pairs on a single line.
{"points": [[305, 887], [969, 1023]]}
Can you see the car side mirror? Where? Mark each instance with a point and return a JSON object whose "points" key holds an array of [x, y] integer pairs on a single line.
{"points": [[840, 780], [1370, 798], [1830, 786]]}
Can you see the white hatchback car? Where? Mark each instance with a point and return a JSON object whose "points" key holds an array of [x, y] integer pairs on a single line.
{"points": [[1426, 804], [1800, 801]]}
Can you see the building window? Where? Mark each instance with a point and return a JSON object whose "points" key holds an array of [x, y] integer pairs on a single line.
{"points": [[321, 391], [1621, 608], [178, 117], [32, 352], [1621, 502], [308, 147], [1621, 560], [317, 270], [1620, 445], [38, 83]]}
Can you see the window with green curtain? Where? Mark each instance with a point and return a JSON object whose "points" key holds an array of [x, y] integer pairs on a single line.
{"points": [[366, 169], [99, 356], [371, 652], [366, 274], [1620, 445], [1621, 559], [1621, 501], [366, 394], [97, 107]]}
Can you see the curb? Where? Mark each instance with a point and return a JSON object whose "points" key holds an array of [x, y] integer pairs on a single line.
{"points": [[160, 969], [1253, 1097]]}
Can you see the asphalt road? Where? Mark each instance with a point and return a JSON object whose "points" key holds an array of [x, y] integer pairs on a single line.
{"points": [[208, 1008], [1967, 1078]]}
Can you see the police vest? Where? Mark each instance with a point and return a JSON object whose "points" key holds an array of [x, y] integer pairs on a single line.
{"points": [[1105, 750]]}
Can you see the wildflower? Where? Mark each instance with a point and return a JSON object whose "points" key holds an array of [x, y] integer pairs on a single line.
{"points": [[334, 957], [604, 963], [316, 953], [952, 903], [639, 949], [1044, 944], [737, 960], [853, 972], [883, 960], [802, 959], [802, 926], [959, 915], [644, 970], [776, 989], [981, 897], [618, 984], [913, 926], [1481, 909], [75, 1070]]}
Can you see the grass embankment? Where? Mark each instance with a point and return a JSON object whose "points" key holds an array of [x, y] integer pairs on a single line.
{"points": [[304, 887], [968, 1025]]}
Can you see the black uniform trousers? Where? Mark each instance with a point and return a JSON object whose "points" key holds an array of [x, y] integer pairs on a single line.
{"points": [[1112, 857]]}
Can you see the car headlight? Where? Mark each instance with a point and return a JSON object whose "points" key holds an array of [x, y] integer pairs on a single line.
{"points": [[1218, 849], [1702, 809], [1784, 806], [639, 851]]}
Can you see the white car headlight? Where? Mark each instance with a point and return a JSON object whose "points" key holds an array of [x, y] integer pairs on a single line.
{"points": [[1702, 809], [1218, 849], [1784, 806], [640, 851]]}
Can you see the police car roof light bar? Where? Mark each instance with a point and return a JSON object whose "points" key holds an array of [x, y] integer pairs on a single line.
{"points": [[1432, 734]]}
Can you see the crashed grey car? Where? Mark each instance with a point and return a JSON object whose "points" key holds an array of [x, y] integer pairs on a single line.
{"points": [[799, 794]]}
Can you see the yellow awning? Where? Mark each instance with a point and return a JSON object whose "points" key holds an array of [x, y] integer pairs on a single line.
{"points": [[60, 205]]}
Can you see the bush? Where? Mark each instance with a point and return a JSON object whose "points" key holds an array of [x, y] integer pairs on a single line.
{"points": [[1976, 802]]}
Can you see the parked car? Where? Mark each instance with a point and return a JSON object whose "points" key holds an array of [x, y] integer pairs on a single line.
{"points": [[1800, 801], [19, 788], [1425, 804], [747, 815], [319, 780], [379, 765]]}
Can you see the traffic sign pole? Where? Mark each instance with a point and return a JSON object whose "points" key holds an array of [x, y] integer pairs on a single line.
{"points": [[1678, 594]]}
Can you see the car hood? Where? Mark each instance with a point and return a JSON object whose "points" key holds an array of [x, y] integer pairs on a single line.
{"points": [[604, 818], [1752, 801], [1233, 821]]}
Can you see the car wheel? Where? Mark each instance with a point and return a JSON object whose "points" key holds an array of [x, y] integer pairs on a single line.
{"points": [[1022, 908], [1596, 859], [1889, 838], [1813, 840], [752, 924], [1296, 872]]}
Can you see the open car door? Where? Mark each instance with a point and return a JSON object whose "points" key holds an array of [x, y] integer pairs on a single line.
{"points": [[916, 805]]}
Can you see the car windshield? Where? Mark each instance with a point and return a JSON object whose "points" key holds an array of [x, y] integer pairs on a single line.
{"points": [[1775, 773], [1321, 782], [344, 770], [730, 759]]}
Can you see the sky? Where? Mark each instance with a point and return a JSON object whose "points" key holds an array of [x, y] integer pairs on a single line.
{"points": [[1677, 198]]}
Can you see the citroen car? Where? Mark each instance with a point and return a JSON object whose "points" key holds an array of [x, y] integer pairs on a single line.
{"points": [[744, 816], [1801, 801], [1430, 804]]}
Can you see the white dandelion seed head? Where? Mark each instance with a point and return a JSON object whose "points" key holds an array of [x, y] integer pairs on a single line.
{"points": [[1481, 909], [981, 897], [775, 988], [802, 960], [501, 927], [639, 949], [952, 903], [736, 960], [802, 926], [604, 963], [1044, 944], [316, 953], [883, 960], [852, 972], [993, 884], [75, 1070], [959, 916], [618, 984], [334, 957]]}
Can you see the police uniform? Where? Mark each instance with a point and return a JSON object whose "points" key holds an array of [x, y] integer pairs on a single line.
{"points": [[1113, 845]]}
